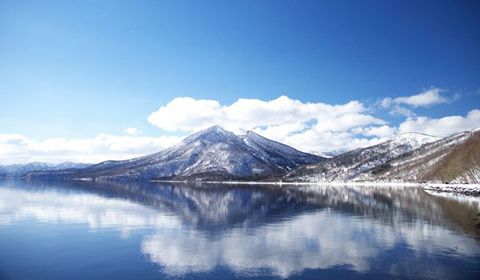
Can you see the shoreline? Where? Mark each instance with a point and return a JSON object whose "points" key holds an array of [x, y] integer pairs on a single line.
{"points": [[466, 189]]}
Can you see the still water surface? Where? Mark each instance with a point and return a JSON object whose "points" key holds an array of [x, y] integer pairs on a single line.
{"points": [[81, 230]]}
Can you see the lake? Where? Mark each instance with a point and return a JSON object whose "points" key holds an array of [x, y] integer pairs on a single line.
{"points": [[85, 230]]}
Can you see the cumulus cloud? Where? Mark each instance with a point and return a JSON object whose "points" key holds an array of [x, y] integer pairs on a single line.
{"points": [[304, 125], [442, 126], [188, 114], [15, 148]]}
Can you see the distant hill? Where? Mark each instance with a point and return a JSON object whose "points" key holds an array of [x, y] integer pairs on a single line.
{"points": [[454, 159], [17, 170], [356, 164], [410, 157]]}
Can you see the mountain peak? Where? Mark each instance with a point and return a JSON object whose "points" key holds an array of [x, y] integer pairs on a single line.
{"points": [[212, 134], [215, 128], [414, 139]]}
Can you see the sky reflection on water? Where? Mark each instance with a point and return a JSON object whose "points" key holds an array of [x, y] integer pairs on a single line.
{"points": [[264, 231]]}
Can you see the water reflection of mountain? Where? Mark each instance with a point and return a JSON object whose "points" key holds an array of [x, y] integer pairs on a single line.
{"points": [[214, 207], [266, 229]]}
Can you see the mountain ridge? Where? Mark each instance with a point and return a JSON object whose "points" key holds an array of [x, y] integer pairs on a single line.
{"points": [[213, 153], [16, 170], [348, 166], [400, 159]]}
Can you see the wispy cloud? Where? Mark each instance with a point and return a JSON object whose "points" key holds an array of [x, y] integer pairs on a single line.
{"points": [[426, 98], [404, 105]]}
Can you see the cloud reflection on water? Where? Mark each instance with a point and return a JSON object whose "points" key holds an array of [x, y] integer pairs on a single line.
{"points": [[342, 227]]}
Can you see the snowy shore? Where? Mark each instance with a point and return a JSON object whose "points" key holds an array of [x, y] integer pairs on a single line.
{"points": [[468, 189]]}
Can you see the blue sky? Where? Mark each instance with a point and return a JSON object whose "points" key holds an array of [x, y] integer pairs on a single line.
{"points": [[77, 69]]}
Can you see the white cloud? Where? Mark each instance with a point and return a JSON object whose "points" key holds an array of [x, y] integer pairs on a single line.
{"points": [[402, 106], [426, 98], [15, 148], [188, 114], [133, 131], [398, 110], [384, 131], [306, 126], [442, 126]]}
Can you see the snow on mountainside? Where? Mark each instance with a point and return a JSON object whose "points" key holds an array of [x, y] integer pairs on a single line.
{"points": [[213, 153], [412, 140], [276, 153], [17, 170], [355, 164], [452, 159], [410, 157]]}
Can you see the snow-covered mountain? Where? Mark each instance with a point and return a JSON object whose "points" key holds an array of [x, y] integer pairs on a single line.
{"points": [[454, 159], [409, 157], [355, 164], [17, 170], [213, 153]]}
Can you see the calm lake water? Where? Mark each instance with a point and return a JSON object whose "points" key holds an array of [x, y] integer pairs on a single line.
{"points": [[81, 230]]}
